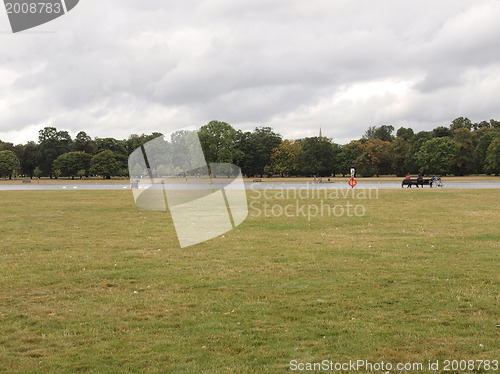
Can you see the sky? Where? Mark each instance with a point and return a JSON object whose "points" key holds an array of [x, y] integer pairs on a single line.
{"points": [[119, 67]]}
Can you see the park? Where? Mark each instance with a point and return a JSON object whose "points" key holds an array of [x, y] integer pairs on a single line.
{"points": [[91, 283]]}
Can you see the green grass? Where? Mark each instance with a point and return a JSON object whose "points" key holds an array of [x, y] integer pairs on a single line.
{"points": [[90, 283]]}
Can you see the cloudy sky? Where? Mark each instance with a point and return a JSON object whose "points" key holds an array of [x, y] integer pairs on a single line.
{"points": [[118, 67]]}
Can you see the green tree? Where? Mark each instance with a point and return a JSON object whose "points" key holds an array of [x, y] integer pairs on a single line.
{"points": [[492, 161], [284, 158], [118, 147], [5, 146], [411, 163], [375, 158], [257, 147], [219, 143], [461, 123], [135, 141], [104, 164], [435, 156], [317, 156], [37, 172], [27, 157], [51, 144], [464, 161], [397, 153], [441, 132], [495, 124], [84, 143], [349, 154], [69, 164], [383, 132], [9, 164], [405, 133], [482, 147]]}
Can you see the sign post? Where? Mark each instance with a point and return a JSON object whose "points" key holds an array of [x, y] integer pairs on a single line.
{"points": [[352, 182]]}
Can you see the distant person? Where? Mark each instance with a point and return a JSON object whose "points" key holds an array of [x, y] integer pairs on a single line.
{"points": [[420, 180], [407, 178]]}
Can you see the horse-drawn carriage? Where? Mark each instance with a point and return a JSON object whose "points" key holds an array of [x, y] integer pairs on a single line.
{"points": [[421, 182]]}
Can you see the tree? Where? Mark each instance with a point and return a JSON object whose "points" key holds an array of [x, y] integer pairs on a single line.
{"points": [[219, 143], [464, 160], [397, 154], [405, 133], [9, 164], [492, 162], [69, 164], [461, 123], [482, 147], [317, 156], [27, 157], [383, 132], [37, 172], [84, 143], [411, 163], [374, 160], [104, 164], [284, 158], [51, 144], [117, 147], [435, 156], [257, 147], [441, 132], [5, 146], [348, 155], [135, 141]]}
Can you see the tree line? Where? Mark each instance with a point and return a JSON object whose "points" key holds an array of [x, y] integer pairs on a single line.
{"points": [[462, 148]]}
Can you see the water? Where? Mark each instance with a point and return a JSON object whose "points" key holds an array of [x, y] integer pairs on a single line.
{"points": [[248, 185]]}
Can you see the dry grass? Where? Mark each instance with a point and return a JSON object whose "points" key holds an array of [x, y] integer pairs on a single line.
{"points": [[89, 283]]}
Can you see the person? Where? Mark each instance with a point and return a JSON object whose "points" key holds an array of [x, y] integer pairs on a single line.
{"points": [[408, 177], [420, 180]]}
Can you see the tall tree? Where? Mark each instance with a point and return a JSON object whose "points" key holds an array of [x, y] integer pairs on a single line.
{"points": [[72, 163], [397, 153], [411, 162], [492, 162], [405, 133], [257, 147], [461, 123], [104, 164], [117, 147], [435, 156], [464, 161], [84, 143], [219, 143], [51, 144], [441, 132], [383, 132], [482, 147], [375, 158], [317, 156], [284, 158], [135, 141], [349, 154], [5, 146], [27, 157], [9, 164]]}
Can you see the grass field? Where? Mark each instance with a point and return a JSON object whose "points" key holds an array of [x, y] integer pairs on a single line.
{"points": [[90, 283]]}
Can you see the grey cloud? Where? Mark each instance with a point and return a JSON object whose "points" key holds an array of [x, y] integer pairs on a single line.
{"points": [[277, 62]]}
